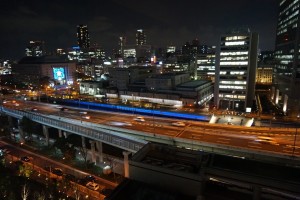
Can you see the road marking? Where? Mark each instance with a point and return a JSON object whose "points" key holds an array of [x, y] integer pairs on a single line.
{"points": [[287, 151], [252, 146], [223, 138], [222, 141]]}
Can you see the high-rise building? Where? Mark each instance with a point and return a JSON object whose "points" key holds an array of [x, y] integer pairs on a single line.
{"points": [[83, 37], [35, 48], [236, 69], [287, 68], [206, 63], [122, 44], [140, 37]]}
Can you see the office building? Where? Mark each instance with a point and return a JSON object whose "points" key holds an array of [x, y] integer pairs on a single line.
{"points": [[83, 37], [236, 70], [35, 48], [122, 43], [32, 69], [287, 68], [264, 74], [140, 37]]}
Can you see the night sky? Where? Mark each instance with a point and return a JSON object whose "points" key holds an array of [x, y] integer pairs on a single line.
{"points": [[165, 22]]}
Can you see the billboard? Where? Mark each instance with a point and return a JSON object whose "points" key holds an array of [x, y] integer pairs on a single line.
{"points": [[59, 73]]}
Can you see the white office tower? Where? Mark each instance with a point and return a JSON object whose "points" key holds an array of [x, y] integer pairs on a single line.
{"points": [[236, 65]]}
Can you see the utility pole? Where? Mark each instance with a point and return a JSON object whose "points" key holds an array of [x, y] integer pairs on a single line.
{"points": [[295, 138]]}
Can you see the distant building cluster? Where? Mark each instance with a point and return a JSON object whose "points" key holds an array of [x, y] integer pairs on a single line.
{"points": [[231, 69]]}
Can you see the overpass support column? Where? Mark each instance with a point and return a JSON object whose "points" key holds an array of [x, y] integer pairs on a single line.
{"points": [[93, 149], [66, 134], [99, 148], [202, 184], [83, 142], [272, 94], [256, 192], [276, 96], [126, 163], [46, 134], [22, 137], [10, 122], [60, 133], [285, 102]]}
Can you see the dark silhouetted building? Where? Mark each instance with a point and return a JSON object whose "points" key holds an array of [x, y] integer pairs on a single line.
{"points": [[287, 68]]}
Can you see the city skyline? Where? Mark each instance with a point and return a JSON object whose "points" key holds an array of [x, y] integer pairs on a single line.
{"points": [[165, 22]]}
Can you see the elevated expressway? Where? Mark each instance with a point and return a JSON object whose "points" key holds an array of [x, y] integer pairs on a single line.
{"points": [[219, 139]]}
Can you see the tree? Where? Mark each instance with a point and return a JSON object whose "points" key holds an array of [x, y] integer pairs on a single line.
{"points": [[39, 196], [65, 147], [84, 153], [44, 81]]}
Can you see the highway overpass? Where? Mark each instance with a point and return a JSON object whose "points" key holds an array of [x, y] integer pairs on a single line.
{"points": [[133, 140]]}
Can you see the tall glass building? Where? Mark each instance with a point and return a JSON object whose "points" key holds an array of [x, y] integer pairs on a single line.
{"points": [[83, 37], [236, 65], [287, 69]]}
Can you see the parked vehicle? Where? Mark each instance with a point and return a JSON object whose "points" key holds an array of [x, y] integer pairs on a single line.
{"points": [[25, 159], [92, 185]]}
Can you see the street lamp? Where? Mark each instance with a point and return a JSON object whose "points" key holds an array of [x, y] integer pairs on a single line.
{"points": [[152, 89], [295, 139]]}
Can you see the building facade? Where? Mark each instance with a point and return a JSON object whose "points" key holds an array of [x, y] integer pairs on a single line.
{"points": [[287, 68], [236, 70], [35, 48], [83, 37], [140, 37], [32, 69]]}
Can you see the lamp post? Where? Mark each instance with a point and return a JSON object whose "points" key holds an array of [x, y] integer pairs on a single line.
{"points": [[295, 139], [152, 89]]}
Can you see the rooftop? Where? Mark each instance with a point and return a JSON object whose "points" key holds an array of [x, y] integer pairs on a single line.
{"points": [[193, 84], [43, 60]]}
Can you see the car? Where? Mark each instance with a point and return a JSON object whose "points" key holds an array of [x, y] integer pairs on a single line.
{"points": [[25, 158], [140, 119], [89, 178], [57, 171], [266, 140], [92, 185], [34, 109], [86, 117], [181, 124], [83, 113], [64, 109], [81, 181], [119, 123]]}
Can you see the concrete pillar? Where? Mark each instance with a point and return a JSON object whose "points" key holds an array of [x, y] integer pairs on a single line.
{"points": [[21, 132], [285, 101], [93, 149], [10, 122], [66, 134], [256, 192], [272, 94], [277, 96], [100, 153], [46, 134], [60, 133], [201, 190], [83, 142], [126, 164]]}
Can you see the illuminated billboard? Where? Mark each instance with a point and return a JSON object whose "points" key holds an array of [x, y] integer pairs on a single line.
{"points": [[59, 73]]}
